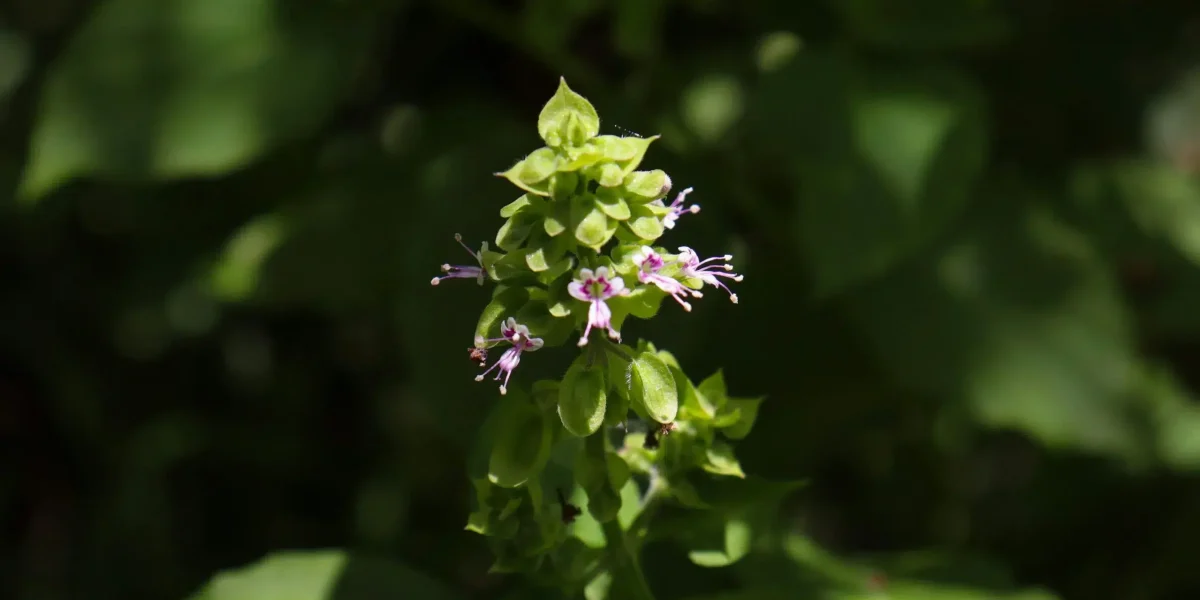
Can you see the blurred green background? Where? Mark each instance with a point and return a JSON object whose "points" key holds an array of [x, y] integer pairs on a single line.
{"points": [[970, 231]]}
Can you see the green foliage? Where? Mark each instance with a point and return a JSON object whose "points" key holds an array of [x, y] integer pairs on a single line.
{"points": [[969, 235], [318, 575], [186, 88]]}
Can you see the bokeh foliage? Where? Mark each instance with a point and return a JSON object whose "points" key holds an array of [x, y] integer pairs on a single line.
{"points": [[968, 229]]}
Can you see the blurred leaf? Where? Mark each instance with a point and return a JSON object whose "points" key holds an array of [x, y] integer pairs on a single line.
{"points": [[712, 105], [1176, 414], [14, 61], [1162, 200], [523, 440], [235, 275], [721, 461], [884, 162], [310, 575], [319, 575], [728, 548], [776, 49], [925, 24], [1017, 316], [162, 89]]}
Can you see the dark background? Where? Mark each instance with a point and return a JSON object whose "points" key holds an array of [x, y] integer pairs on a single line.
{"points": [[970, 233]]}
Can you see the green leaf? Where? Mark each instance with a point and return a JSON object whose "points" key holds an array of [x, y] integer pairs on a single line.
{"points": [[542, 253], [297, 575], [732, 544], [746, 411], [647, 185], [644, 224], [165, 89], [514, 231], [582, 398], [584, 156], [640, 146], [556, 270], [1019, 317], [559, 216], [653, 387], [536, 260], [619, 374], [608, 175], [885, 161], [320, 575], [1163, 201], [533, 173], [692, 405], [618, 149], [617, 410], [516, 206], [712, 393], [592, 227], [614, 206], [522, 442], [567, 119], [643, 302], [721, 461]]}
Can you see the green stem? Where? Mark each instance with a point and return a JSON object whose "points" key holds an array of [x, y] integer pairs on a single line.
{"points": [[628, 580]]}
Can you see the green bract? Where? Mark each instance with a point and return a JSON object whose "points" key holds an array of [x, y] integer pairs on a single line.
{"points": [[582, 398], [574, 257]]}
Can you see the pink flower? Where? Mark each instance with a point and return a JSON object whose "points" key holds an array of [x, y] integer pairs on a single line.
{"points": [[461, 272], [677, 209], [596, 288], [707, 271], [649, 263], [517, 335]]}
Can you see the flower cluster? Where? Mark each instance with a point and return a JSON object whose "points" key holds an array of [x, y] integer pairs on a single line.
{"points": [[679, 276], [582, 191], [576, 256]]}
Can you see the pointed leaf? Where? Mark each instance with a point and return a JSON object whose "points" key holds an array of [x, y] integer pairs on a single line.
{"points": [[567, 119]]}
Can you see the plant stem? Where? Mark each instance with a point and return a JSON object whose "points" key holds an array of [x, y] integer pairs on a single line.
{"points": [[628, 580]]}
